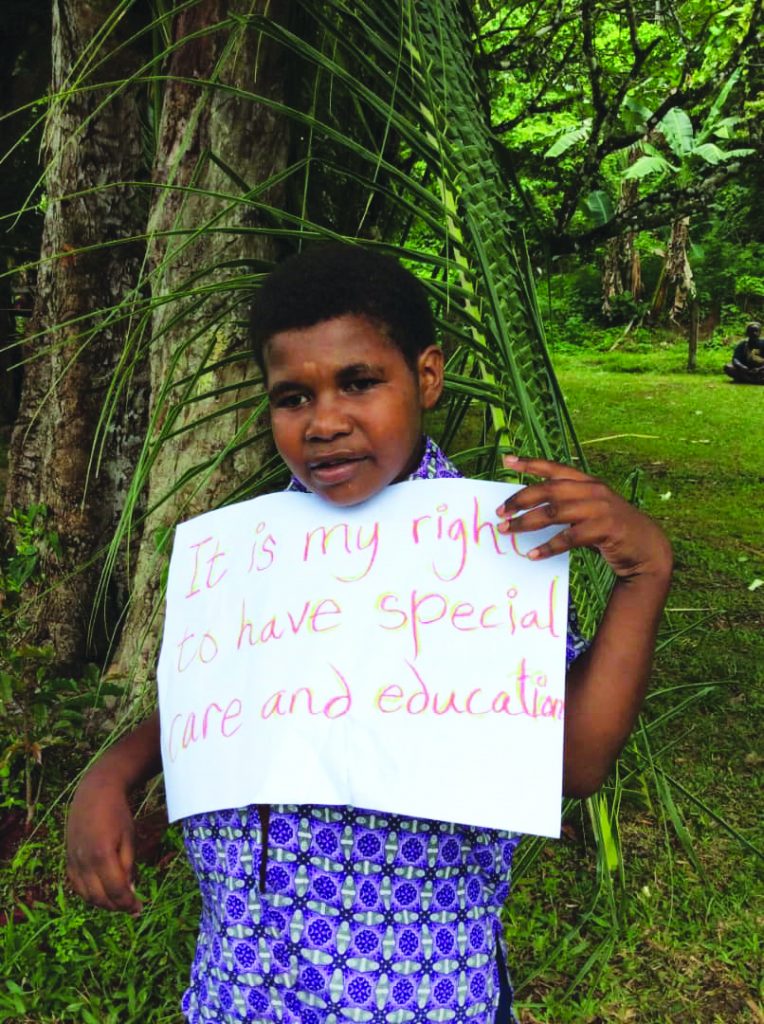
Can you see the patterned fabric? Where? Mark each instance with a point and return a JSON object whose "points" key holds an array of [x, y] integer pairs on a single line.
{"points": [[368, 917]]}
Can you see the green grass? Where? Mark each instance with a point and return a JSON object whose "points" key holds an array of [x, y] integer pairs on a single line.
{"points": [[688, 948], [66, 963]]}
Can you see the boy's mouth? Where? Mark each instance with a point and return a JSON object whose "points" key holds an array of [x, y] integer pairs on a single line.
{"points": [[334, 468]]}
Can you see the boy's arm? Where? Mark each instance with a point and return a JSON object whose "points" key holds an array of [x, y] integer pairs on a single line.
{"points": [[606, 685], [99, 829]]}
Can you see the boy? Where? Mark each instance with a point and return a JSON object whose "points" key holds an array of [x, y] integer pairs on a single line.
{"points": [[358, 914]]}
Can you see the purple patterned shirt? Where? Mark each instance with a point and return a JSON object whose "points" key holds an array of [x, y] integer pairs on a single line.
{"points": [[366, 917]]}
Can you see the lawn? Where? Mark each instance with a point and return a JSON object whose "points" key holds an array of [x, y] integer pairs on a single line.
{"points": [[689, 947]]}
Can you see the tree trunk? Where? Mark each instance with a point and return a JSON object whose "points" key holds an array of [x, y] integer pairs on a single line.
{"points": [[692, 349], [676, 282], [621, 271], [678, 269], [622, 267], [10, 373], [25, 44], [196, 338], [72, 351]]}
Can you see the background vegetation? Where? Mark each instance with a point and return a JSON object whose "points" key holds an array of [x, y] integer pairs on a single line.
{"points": [[576, 183]]}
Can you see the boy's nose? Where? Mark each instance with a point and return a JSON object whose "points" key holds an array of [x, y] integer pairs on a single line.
{"points": [[328, 421]]}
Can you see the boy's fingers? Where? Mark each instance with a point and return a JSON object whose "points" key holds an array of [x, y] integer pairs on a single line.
{"points": [[90, 888], [563, 541], [118, 887], [127, 860], [558, 545], [552, 495], [105, 884], [585, 534], [113, 893], [544, 468], [126, 854], [592, 516]]}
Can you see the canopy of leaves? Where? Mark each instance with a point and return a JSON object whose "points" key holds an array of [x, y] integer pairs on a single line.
{"points": [[576, 85]]}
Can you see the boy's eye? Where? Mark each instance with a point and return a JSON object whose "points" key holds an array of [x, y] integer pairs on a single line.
{"points": [[361, 384], [293, 401]]}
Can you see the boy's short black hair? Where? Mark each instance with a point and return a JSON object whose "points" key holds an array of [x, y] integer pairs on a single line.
{"points": [[336, 279]]}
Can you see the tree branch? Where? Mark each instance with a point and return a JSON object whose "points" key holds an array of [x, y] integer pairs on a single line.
{"points": [[654, 210], [530, 111]]}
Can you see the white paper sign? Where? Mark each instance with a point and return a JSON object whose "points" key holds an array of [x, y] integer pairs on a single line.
{"points": [[400, 655]]}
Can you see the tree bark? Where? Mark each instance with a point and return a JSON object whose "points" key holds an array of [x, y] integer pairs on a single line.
{"points": [[676, 283], [678, 269], [72, 350], [692, 347], [25, 44], [197, 338], [622, 267]]}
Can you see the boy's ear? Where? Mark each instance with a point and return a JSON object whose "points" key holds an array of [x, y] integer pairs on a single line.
{"points": [[430, 371]]}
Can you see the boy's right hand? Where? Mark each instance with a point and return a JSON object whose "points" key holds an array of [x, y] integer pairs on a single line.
{"points": [[100, 842], [100, 846]]}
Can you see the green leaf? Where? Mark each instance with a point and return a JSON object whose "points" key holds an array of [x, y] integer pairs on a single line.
{"points": [[738, 154], [724, 129], [569, 138], [711, 153], [676, 128], [672, 811], [637, 107], [607, 842], [601, 206], [647, 165], [718, 105]]}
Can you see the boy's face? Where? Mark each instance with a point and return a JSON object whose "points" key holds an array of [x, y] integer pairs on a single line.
{"points": [[346, 407]]}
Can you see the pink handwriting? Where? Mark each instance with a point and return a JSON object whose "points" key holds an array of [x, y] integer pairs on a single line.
{"points": [[463, 533], [417, 611], [313, 617], [529, 701], [263, 550], [341, 539], [192, 727], [303, 700]]}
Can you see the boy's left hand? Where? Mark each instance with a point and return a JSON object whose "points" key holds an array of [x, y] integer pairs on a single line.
{"points": [[629, 541]]}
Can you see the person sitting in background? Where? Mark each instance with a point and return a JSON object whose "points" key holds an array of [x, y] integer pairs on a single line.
{"points": [[747, 366]]}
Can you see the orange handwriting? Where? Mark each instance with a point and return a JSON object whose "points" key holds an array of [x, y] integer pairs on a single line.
{"points": [[205, 650]]}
